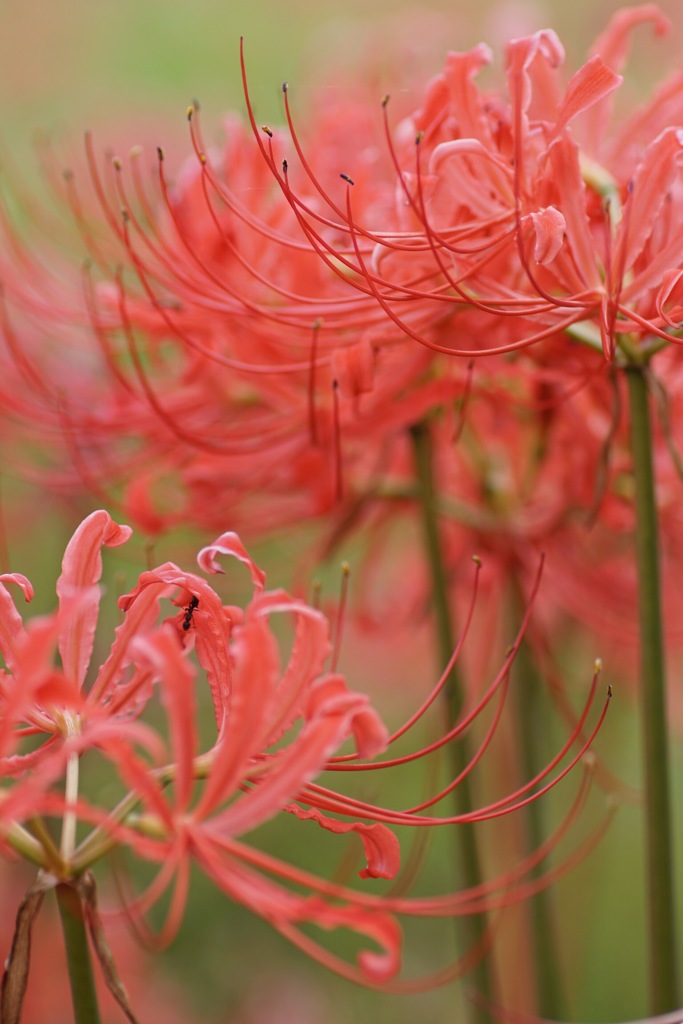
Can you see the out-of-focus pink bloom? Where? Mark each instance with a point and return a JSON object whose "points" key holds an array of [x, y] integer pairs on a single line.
{"points": [[525, 212], [256, 361], [278, 306], [260, 396]]}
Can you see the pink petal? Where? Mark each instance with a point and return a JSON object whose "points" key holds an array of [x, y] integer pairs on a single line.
{"points": [[289, 772], [285, 909], [135, 773], [592, 83], [471, 154], [142, 610], [671, 291], [100, 732], [230, 544], [333, 714], [81, 569], [382, 848], [549, 226], [525, 58], [11, 624], [310, 650], [532, 76], [614, 43], [465, 99], [564, 172], [211, 626], [253, 681], [176, 680], [32, 666], [330, 695], [663, 109], [613, 46], [654, 177]]}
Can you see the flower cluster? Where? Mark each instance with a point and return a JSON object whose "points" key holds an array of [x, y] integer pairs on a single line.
{"points": [[257, 360], [451, 320], [277, 727]]}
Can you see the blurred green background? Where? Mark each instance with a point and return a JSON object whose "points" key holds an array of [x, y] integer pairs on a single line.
{"points": [[127, 69], [75, 64]]}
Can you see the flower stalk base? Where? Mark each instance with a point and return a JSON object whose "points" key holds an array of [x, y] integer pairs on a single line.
{"points": [[471, 928], [664, 985], [531, 708], [81, 979]]}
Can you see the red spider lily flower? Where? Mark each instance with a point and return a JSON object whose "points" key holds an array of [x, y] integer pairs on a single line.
{"points": [[259, 766], [277, 312], [279, 725], [267, 368], [525, 210], [251, 388]]}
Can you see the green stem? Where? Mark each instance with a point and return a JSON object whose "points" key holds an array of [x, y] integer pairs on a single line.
{"points": [[530, 705], [472, 927], [21, 840], [658, 830], [83, 994]]}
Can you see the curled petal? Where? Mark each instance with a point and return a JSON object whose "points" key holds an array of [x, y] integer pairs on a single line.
{"points": [[331, 696], [384, 929], [382, 848], [379, 967], [81, 569], [285, 909], [460, 70], [230, 544], [614, 42], [549, 226], [11, 625], [671, 291], [22, 582], [526, 56], [613, 46]]}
